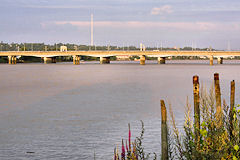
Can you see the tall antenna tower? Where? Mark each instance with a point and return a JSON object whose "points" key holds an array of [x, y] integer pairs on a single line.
{"points": [[229, 46], [91, 29]]}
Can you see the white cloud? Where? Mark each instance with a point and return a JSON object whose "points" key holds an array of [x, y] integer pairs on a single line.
{"points": [[166, 9], [199, 26]]}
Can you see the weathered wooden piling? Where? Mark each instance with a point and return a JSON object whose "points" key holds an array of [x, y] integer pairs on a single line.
{"points": [[232, 97], [232, 101], [164, 131], [218, 98], [196, 107], [217, 91]]}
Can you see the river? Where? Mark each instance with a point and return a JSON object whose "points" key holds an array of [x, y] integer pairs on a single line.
{"points": [[64, 111]]}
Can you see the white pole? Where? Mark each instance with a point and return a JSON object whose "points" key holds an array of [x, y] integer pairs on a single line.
{"points": [[91, 29], [229, 46]]}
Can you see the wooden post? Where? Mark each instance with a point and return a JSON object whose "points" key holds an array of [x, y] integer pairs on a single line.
{"points": [[232, 99], [218, 98], [164, 131], [196, 108]]}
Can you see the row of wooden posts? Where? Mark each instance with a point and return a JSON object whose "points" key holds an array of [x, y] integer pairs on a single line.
{"points": [[196, 95]]}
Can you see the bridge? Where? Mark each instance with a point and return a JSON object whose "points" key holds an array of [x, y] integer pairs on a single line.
{"points": [[50, 56]]}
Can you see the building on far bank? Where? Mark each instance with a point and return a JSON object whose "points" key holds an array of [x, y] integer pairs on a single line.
{"points": [[63, 49]]}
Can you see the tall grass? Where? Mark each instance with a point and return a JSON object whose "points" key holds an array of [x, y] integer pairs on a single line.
{"points": [[219, 131], [217, 136]]}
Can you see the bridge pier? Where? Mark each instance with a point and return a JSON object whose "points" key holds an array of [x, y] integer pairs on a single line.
{"points": [[49, 60], [142, 60], [211, 60], [161, 60], [12, 60], [76, 60], [104, 60], [220, 60]]}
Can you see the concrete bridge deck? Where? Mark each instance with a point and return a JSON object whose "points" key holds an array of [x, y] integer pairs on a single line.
{"points": [[50, 56], [121, 53]]}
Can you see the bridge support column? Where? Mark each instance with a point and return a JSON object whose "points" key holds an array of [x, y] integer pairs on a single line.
{"points": [[49, 60], [211, 60], [220, 60], [76, 60], [142, 60], [104, 60], [161, 60], [12, 60]]}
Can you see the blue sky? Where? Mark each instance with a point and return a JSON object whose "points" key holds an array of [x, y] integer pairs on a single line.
{"points": [[123, 22]]}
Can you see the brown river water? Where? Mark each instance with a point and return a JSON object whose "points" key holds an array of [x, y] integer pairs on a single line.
{"points": [[64, 111]]}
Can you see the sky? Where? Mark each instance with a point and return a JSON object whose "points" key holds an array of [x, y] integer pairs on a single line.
{"points": [[197, 23]]}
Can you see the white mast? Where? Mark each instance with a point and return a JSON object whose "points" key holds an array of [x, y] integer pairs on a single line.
{"points": [[91, 29], [229, 46]]}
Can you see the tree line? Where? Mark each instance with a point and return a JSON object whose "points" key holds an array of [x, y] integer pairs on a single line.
{"points": [[80, 47]]}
